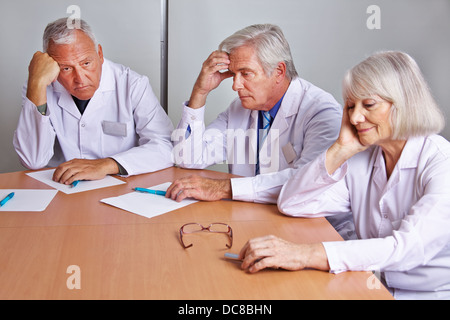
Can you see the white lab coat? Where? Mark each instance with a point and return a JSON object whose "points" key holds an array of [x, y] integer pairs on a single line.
{"points": [[123, 121], [403, 221], [307, 122]]}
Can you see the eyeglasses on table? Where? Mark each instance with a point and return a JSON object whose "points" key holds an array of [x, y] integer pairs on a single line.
{"points": [[216, 227]]}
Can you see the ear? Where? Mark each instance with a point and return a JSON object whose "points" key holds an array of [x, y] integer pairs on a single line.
{"points": [[100, 53], [280, 71]]}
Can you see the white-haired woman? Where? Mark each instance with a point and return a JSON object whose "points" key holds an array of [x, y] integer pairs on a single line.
{"points": [[391, 169]]}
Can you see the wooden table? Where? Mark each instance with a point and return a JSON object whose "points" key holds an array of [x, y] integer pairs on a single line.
{"points": [[121, 255]]}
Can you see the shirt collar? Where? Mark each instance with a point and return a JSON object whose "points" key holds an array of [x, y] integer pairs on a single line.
{"points": [[273, 112], [409, 157]]}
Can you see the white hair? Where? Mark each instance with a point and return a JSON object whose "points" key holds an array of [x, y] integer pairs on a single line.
{"points": [[270, 44], [395, 77], [59, 33]]}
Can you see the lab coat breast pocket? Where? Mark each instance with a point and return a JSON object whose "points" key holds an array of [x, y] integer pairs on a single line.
{"points": [[289, 154], [116, 129], [116, 137]]}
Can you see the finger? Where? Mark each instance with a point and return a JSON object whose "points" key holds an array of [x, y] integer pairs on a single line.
{"points": [[267, 262], [186, 183], [170, 189], [219, 55], [69, 176], [175, 189], [60, 171], [249, 255], [217, 68], [251, 244], [255, 261], [256, 249], [244, 249], [76, 177], [250, 259], [72, 170], [57, 174], [183, 194], [194, 190], [220, 62], [177, 186]]}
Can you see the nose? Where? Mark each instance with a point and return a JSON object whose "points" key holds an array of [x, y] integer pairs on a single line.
{"points": [[237, 83], [356, 115], [78, 75]]}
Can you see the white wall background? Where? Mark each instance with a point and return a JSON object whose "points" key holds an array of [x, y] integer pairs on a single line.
{"points": [[327, 37], [128, 30]]}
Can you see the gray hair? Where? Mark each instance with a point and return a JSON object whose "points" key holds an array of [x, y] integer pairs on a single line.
{"points": [[270, 44], [395, 77], [59, 33]]}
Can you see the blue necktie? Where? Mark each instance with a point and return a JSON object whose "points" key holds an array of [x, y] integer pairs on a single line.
{"points": [[266, 126], [266, 120]]}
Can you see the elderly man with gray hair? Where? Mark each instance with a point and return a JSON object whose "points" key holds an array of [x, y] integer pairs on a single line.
{"points": [[87, 116], [302, 121]]}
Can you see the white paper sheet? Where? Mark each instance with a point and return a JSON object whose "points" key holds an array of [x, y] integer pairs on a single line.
{"points": [[84, 185], [27, 199], [146, 204]]}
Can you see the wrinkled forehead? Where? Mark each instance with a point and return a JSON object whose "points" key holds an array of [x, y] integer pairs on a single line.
{"points": [[74, 38], [244, 58], [81, 48]]}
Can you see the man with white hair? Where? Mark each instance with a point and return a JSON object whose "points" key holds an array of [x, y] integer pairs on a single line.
{"points": [[302, 121], [86, 115]]}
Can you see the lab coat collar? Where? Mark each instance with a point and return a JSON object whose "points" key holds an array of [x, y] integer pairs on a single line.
{"points": [[411, 153], [408, 160], [107, 81], [288, 107], [409, 157], [65, 100], [294, 93]]}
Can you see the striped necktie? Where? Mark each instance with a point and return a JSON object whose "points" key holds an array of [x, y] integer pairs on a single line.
{"points": [[266, 121]]}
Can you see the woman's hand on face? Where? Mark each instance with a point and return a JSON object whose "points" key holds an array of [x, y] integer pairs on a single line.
{"points": [[346, 146], [348, 136]]}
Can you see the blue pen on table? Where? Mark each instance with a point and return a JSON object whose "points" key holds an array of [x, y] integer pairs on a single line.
{"points": [[157, 192], [74, 184], [6, 199], [232, 256]]}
